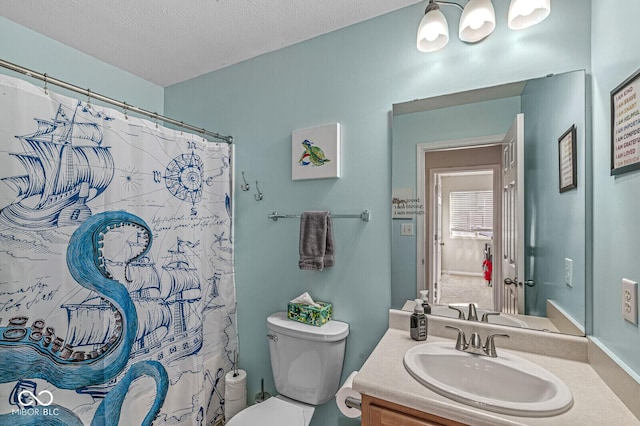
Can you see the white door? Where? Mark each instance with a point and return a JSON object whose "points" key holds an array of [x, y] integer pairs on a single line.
{"points": [[438, 240], [513, 218]]}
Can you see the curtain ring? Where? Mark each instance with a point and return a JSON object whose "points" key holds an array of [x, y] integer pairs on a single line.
{"points": [[88, 98], [155, 119], [124, 106], [46, 89], [181, 124]]}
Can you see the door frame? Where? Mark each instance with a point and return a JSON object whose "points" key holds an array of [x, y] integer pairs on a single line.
{"points": [[423, 259]]}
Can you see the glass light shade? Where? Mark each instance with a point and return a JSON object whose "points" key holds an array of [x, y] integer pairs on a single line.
{"points": [[433, 32], [525, 13], [478, 21]]}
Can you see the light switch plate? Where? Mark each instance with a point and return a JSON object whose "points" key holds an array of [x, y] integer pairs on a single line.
{"points": [[568, 272], [630, 301], [406, 229]]}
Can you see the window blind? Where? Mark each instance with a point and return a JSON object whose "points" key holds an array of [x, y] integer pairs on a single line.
{"points": [[471, 211]]}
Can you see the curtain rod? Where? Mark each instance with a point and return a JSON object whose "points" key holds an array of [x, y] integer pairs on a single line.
{"points": [[125, 106]]}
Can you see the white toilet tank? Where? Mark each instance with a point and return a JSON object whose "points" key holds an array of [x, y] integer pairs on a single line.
{"points": [[306, 360]]}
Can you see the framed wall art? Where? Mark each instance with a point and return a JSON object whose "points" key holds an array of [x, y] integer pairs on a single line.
{"points": [[625, 126], [315, 152], [567, 160]]}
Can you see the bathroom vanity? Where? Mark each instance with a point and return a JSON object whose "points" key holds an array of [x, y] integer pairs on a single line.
{"points": [[391, 396], [380, 412]]}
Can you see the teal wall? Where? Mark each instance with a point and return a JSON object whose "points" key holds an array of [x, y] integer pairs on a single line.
{"points": [[555, 222], [459, 122], [616, 237], [351, 76], [29, 49]]}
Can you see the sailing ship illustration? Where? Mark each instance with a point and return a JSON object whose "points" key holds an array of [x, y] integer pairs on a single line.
{"points": [[169, 323], [66, 166]]}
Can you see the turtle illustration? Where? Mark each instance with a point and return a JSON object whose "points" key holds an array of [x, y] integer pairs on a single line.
{"points": [[312, 154]]}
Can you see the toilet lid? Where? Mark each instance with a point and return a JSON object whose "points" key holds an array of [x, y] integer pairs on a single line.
{"points": [[273, 412]]}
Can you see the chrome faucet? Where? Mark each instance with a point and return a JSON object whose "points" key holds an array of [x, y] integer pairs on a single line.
{"points": [[471, 316], [473, 313], [474, 345]]}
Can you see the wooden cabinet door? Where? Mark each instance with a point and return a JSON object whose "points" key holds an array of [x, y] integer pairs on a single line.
{"points": [[379, 412], [380, 416]]}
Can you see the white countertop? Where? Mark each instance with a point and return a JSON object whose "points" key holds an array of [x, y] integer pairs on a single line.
{"points": [[384, 376]]}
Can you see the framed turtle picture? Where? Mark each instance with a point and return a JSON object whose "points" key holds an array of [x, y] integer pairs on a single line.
{"points": [[315, 152]]}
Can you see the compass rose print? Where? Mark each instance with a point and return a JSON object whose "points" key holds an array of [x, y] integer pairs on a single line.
{"points": [[184, 176]]}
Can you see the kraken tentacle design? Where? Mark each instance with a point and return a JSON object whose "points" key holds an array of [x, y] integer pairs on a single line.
{"points": [[108, 412], [23, 356], [34, 352]]}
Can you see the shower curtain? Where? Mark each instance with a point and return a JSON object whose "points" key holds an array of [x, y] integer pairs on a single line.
{"points": [[117, 297]]}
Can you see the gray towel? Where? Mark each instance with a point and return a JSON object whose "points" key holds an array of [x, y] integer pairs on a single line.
{"points": [[316, 241]]}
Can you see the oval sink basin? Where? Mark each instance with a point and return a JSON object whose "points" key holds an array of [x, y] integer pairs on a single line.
{"points": [[502, 319], [507, 384]]}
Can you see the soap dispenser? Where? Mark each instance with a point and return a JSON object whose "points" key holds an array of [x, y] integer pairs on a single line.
{"points": [[424, 294], [418, 322]]}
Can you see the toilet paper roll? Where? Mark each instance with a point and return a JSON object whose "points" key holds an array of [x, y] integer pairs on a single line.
{"points": [[235, 387], [233, 407], [345, 391]]}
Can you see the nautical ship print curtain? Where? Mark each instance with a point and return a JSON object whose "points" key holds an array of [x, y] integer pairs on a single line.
{"points": [[117, 298]]}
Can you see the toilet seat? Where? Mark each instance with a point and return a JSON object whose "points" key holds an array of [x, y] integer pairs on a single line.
{"points": [[276, 411]]}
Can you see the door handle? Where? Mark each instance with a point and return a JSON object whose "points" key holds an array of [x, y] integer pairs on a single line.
{"points": [[528, 283], [509, 281]]}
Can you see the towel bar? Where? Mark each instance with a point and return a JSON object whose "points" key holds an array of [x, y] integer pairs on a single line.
{"points": [[365, 216]]}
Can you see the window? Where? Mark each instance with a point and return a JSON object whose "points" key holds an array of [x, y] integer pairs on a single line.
{"points": [[471, 214]]}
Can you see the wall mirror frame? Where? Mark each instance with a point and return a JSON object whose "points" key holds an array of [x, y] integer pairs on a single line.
{"points": [[442, 149]]}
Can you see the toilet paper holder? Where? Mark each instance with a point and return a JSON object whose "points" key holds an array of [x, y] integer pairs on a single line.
{"points": [[352, 402]]}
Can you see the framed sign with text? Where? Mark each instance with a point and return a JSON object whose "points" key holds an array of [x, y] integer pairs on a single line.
{"points": [[567, 160], [625, 126]]}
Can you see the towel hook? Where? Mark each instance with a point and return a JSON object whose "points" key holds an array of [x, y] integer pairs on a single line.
{"points": [[259, 195], [245, 186]]}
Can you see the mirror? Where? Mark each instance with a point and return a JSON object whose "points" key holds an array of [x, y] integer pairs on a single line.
{"points": [[455, 223]]}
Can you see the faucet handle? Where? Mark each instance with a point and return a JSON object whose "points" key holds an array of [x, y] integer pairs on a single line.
{"points": [[473, 314], [485, 316], [460, 313], [490, 347], [461, 341]]}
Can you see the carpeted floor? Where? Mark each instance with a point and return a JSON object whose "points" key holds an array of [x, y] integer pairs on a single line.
{"points": [[465, 289]]}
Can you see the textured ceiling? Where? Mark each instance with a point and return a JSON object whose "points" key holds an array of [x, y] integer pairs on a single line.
{"points": [[169, 41]]}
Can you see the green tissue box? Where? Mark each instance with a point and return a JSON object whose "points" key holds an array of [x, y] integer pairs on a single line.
{"points": [[309, 314]]}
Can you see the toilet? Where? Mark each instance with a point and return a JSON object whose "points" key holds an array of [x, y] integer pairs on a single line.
{"points": [[306, 362]]}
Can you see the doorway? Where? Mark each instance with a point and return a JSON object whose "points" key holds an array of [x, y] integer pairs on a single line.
{"points": [[465, 223]]}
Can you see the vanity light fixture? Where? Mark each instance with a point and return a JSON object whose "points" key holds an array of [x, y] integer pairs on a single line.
{"points": [[477, 22], [525, 13], [433, 31]]}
